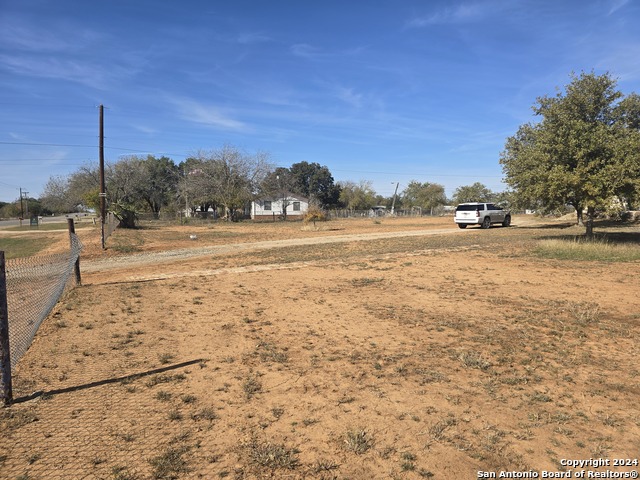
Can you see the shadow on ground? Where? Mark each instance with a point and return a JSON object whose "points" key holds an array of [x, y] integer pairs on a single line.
{"points": [[126, 378]]}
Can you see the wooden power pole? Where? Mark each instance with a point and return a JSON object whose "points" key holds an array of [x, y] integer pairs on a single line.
{"points": [[103, 194], [6, 394]]}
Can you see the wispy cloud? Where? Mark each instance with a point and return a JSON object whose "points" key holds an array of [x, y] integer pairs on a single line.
{"points": [[52, 37], [21, 37], [460, 14], [305, 50], [350, 96], [253, 37], [622, 62], [76, 71], [209, 115], [17, 136], [50, 68], [144, 129], [61, 51], [617, 5], [312, 52]]}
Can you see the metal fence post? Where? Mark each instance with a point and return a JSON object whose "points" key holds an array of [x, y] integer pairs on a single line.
{"points": [[72, 231], [6, 389]]}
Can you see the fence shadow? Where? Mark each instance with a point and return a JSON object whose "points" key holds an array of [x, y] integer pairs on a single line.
{"points": [[126, 378]]}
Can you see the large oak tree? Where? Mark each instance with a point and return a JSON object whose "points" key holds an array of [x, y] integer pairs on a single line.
{"points": [[316, 183], [584, 151]]}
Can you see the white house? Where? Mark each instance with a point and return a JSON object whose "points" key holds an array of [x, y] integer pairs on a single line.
{"points": [[274, 208]]}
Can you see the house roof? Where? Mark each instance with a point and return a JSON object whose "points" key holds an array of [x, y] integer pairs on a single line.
{"points": [[287, 195]]}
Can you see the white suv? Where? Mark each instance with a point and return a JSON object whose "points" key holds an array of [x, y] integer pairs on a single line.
{"points": [[483, 214]]}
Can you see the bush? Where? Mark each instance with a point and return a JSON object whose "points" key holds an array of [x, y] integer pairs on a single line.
{"points": [[127, 214], [315, 214]]}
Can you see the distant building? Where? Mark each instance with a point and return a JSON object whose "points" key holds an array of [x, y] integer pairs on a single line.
{"points": [[273, 208], [378, 211]]}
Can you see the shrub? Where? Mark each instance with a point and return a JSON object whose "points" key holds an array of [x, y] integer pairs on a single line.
{"points": [[315, 214]]}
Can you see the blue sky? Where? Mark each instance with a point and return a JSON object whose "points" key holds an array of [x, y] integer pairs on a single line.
{"points": [[385, 91]]}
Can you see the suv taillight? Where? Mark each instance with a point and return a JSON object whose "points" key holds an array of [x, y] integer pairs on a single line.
{"points": [[478, 213]]}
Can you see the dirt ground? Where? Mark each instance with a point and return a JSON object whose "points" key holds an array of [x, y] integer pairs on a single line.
{"points": [[359, 349]]}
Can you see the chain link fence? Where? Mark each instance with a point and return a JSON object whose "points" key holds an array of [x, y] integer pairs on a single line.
{"points": [[383, 211], [34, 285], [110, 224]]}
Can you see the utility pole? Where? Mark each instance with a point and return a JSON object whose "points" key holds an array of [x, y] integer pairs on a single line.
{"points": [[103, 194], [25, 211], [393, 203], [21, 210], [186, 193], [6, 394]]}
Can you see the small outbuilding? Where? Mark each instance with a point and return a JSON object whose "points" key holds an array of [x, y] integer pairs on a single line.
{"points": [[378, 211]]}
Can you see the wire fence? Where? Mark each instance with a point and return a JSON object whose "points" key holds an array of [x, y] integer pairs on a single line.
{"points": [[33, 287], [110, 224], [383, 212]]}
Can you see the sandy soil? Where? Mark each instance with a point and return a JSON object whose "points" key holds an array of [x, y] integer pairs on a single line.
{"points": [[399, 349]]}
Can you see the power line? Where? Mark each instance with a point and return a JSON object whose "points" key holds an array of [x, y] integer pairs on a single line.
{"points": [[419, 174], [32, 144], [122, 149], [41, 105], [42, 163], [9, 185]]}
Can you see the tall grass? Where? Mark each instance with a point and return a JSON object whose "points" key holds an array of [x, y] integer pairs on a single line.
{"points": [[582, 248]]}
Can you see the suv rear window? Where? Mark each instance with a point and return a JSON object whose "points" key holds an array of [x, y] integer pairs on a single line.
{"points": [[468, 208]]}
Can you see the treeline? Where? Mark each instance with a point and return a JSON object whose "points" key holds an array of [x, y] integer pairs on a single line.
{"points": [[226, 181], [28, 207]]}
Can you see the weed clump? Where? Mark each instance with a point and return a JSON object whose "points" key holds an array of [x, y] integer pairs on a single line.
{"points": [[358, 441], [171, 463], [272, 455], [474, 360], [251, 386]]}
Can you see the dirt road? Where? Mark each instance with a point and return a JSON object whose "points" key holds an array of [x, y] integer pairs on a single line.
{"points": [[170, 256]]}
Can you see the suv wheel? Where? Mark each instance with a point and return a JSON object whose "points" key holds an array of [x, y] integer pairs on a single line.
{"points": [[462, 225], [507, 221], [486, 223]]}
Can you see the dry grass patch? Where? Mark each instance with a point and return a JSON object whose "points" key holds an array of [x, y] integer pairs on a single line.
{"points": [[271, 455], [358, 440], [581, 248]]}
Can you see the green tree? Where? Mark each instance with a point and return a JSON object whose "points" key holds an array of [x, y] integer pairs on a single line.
{"points": [[10, 210], [316, 183], [425, 195], [357, 196], [383, 201], [159, 182], [583, 152], [472, 193], [122, 183]]}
